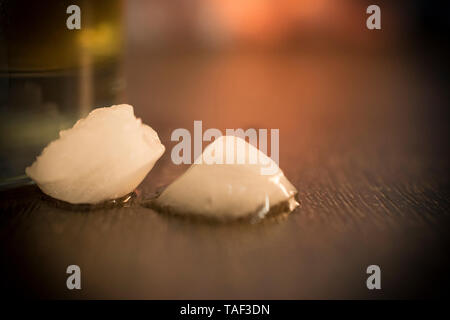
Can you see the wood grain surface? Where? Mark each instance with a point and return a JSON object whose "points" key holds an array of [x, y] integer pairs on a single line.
{"points": [[363, 137]]}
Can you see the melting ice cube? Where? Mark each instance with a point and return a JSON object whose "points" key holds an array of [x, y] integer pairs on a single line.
{"points": [[216, 188], [102, 157]]}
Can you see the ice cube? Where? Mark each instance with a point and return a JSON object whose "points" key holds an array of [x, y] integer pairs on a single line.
{"points": [[102, 157], [221, 189]]}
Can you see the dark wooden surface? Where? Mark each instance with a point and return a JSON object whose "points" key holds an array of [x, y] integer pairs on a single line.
{"points": [[363, 138]]}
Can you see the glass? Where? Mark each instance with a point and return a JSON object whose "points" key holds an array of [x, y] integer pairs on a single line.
{"points": [[51, 76]]}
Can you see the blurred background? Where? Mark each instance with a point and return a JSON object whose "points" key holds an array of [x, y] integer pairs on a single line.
{"points": [[363, 119], [261, 63]]}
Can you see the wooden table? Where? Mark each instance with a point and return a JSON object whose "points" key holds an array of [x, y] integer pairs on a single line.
{"points": [[363, 137]]}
